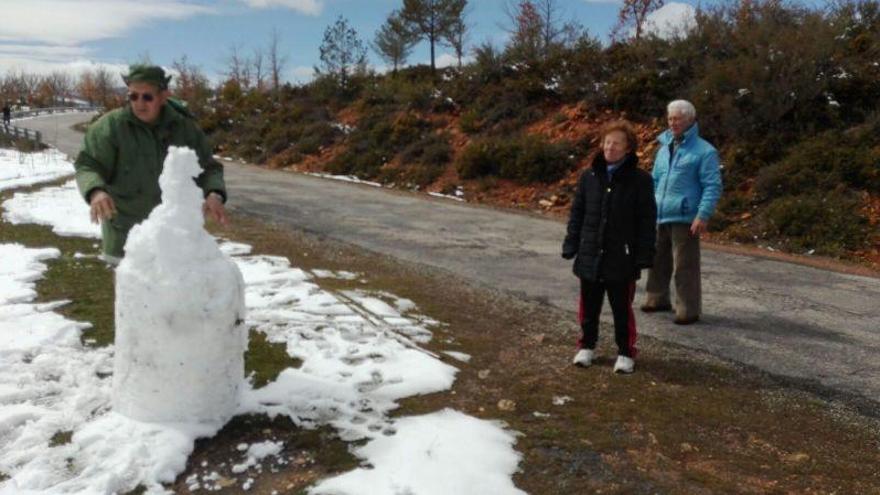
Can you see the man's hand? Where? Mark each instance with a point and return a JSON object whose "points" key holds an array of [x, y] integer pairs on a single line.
{"points": [[213, 208], [699, 226], [101, 206]]}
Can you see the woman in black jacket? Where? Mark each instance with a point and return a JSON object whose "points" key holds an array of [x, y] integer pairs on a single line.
{"points": [[611, 233]]}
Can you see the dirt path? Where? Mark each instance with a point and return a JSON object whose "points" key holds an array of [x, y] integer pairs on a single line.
{"points": [[817, 328]]}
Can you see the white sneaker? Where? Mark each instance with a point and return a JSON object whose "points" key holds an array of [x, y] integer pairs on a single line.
{"points": [[624, 365], [584, 358]]}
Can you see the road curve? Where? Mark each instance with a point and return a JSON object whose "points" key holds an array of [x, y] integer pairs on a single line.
{"points": [[818, 328]]}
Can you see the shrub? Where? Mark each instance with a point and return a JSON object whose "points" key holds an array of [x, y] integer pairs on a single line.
{"points": [[537, 160], [433, 149], [425, 160], [406, 129], [481, 158], [830, 223], [470, 123], [524, 159], [365, 165], [314, 136], [822, 164], [731, 206]]}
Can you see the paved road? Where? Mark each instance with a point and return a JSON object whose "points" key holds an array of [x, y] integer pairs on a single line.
{"points": [[820, 328]]}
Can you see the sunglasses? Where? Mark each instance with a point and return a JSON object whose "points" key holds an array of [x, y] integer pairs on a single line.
{"points": [[135, 96]]}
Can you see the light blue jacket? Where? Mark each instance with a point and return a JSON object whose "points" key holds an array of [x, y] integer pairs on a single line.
{"points": [[688, 183]]}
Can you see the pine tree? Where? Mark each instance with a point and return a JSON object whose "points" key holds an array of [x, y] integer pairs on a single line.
{"points": [[343, 54], [432, 20], [394, 42]]}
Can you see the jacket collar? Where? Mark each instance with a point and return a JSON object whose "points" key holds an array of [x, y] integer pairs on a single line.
{"points": [[693, 131], [600, 166]]}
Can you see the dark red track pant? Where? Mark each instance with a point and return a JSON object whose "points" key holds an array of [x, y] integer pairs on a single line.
{"points": [[620, 297]]}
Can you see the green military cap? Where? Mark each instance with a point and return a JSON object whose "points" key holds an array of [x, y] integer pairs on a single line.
{"points": [[152, 74]]}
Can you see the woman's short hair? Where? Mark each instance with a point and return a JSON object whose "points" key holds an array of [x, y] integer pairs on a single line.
{"points": [[683, 107], [626, 128]]}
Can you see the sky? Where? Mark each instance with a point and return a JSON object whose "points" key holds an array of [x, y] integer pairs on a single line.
{"points": [[362, 351], [45, 35]]}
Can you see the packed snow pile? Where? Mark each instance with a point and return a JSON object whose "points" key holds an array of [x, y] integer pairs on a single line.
{"points": [[180, 334]]}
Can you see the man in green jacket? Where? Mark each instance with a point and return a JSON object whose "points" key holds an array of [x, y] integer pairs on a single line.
{"points": [[117, 170]]}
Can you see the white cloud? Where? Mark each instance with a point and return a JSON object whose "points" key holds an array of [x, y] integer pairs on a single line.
{"points": [[449, 60], [310, 7], [670, 20], [42, 36], [301, 74], [12, 63], [42, 52], [70, 22]]}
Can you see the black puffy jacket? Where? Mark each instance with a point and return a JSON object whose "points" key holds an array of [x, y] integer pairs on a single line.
{"points": [[612, 226]]}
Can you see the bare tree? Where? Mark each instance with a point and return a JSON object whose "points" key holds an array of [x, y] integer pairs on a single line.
{"points": [[259, 70], [61, 84], [527, 32], [105, 88], [552, 23], [97, 87], [277, 61], [238, 68], [457, 35], [632, 16], [537, 27], [191, 85]]}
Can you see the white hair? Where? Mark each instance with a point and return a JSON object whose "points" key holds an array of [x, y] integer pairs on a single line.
{"points": [[683, 107]]}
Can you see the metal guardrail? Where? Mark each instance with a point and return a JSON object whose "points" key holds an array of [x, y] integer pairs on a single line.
{"points": [[32, 135], [19, 114], [22, 133]]}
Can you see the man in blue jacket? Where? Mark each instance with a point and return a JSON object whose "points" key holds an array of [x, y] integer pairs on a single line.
{"points": [[687, 185]]}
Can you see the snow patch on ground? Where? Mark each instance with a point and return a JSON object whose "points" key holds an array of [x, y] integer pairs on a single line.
{"points": [[18, 169], [435, 454], [48, 205], [345, 178]]}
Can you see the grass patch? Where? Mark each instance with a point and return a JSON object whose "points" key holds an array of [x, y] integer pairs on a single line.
{"points": [[60, 438], [86, 282], [315, 454], [265, 360]]}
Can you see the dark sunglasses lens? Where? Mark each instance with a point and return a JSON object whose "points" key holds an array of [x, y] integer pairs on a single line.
{"points": [[147, 97]]}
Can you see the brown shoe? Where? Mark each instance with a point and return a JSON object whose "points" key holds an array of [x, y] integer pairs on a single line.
{"points": [[654, 309], [685, 321]]}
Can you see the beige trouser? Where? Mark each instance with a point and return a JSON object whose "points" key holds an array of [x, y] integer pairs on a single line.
{"points": [[678, 255]]}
